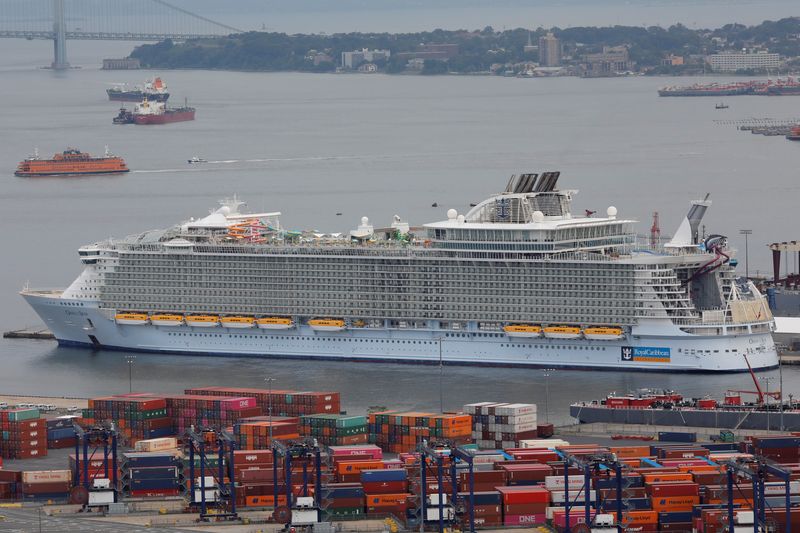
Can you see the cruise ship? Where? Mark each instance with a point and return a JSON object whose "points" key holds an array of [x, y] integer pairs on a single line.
{"points": [[518, 280]]}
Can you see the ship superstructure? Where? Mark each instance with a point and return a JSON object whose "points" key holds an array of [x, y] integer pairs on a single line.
{"points": [[517, 280]]}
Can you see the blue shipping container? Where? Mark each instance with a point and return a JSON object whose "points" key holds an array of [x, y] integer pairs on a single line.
{"points": [[147, 459], [369, 476], [676, 436], [484, 498], [62, 433], [155, 484], [674, 518], [155, 472]]}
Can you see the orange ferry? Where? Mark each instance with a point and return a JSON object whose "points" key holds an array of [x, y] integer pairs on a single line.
{"points": [[71, 162]]}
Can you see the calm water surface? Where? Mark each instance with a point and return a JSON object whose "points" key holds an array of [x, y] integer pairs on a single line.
{"points": [[314, 145]]}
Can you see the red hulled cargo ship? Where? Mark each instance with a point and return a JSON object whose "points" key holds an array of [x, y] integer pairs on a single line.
{"points": [[149, 112], [71, 162]]}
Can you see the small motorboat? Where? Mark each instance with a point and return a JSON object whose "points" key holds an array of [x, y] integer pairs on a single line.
{"points": [[722, 105], [196, 159]]}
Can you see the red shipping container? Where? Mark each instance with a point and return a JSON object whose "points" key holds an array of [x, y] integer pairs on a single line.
{"points": [[658, 490], [524, 494], [525, 508], [487, 510]]}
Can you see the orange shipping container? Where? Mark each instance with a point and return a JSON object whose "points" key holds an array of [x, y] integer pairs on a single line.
{"points": [[626, 452], [355, 467], [661, 478], [380, 500], [675, 503], [641, 517]]}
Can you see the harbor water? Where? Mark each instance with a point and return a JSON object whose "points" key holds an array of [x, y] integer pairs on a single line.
{"points": [[313, 146]]}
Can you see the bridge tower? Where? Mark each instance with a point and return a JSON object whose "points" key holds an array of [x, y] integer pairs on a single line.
{"points": [[59, 37]]}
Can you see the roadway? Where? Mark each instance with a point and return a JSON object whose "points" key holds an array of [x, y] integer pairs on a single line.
{"points": [[29, 520]]}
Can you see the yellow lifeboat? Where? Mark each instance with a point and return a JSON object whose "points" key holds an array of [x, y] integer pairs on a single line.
{"points": [[523, 330], [238, 321], [562, 332], [326, 324], [131, 319], [202, 321], [603, 333], [166, 319], [274, 322]]}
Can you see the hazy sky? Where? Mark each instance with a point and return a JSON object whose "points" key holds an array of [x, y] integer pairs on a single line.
{"points": [[414, 15]]}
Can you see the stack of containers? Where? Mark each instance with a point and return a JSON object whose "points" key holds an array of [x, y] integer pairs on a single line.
{"points": [[400, 432], [502, 425], [162, 444], [488, 508], [23, 435], [343, 501], [60, 433], [283, 402], [188, 410], [524, 506], [253, 473], [151, 474], [253, 433], [137, 416], [385, 492], [783, 449], [46, 484], [578, 493], [335, 430]]}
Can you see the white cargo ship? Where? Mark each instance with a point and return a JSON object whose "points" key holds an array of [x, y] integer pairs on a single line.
{"points": [[517, 280]]}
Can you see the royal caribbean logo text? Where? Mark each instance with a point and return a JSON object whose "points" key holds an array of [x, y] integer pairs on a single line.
{"points": [[645, 354]]}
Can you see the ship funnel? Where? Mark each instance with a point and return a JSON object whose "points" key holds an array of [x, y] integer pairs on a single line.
{"points": [[688, 231], [695, 216]]}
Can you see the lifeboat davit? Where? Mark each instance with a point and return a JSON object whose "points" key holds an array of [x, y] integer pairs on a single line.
{"points": [[326, 324], [131, 319], [603, 333], [238, 321], [274, 322], [523, 330], [166, 319], [562, 332], [202, 321]]}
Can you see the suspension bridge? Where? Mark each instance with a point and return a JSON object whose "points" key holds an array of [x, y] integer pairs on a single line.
{"points": [[105, 20]]}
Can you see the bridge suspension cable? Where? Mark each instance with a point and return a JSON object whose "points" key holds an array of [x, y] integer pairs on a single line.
{"points": [[195, 15]]}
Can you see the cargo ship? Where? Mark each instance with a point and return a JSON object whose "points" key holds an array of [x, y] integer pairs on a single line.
{"points": [[148, 112], [517, 280], [778, 87], [71, 162], [710, 89], [154, 90], [794, 134], [666, 408]]}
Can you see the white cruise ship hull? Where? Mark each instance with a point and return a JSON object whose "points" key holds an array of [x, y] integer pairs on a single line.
{"points": [[80, 322]]}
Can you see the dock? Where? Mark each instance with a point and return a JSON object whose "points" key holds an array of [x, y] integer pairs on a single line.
{"points": [[32, 333]]}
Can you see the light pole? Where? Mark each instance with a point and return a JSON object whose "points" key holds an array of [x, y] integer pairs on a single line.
{"points": [[130, 360], [767, 380], [269, 381], [441, 378], [546, 373], [746, 232], [780, 375]]}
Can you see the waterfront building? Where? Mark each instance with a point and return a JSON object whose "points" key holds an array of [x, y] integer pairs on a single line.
{"points": [[744, 60], [549, 51], [352, 60]]}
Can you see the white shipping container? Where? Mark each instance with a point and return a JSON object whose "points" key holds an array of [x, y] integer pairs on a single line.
{"points": [[46, 476], [211, 495], [516, 409], [475, 408], [559, 496], [778, 488], [542, 443], [157, 445], [102, 497], [557, 482], [433, 513], [209, 481]]}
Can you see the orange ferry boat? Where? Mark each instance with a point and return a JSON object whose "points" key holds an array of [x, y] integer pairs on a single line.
{"points": [[71, 162]]}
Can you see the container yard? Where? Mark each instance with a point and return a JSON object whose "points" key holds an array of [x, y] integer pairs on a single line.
{"points": [[234, 455]]}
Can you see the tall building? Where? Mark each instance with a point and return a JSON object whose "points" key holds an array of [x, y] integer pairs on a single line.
{"points": [[549, 51], [351, 60], [733, 61]]}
